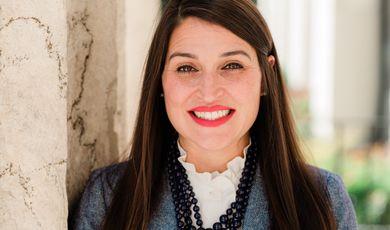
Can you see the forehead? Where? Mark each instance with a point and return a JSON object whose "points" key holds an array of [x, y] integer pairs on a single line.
{"points": [[194, 33]]}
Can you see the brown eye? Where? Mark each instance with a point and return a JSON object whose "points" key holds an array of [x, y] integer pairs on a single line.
{"points": [[186, 69], [232, 66]]}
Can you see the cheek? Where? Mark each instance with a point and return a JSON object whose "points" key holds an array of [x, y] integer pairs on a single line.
{"points": [[174, 95], [248, 95], [170, 102], [249, 91], [168, 93], [251, 101]]}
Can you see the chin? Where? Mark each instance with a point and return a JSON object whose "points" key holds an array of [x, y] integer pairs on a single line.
{"points": [[213, 143]]}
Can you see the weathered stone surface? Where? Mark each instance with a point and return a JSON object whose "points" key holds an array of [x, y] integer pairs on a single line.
{"points": [[107, 47], [33, 140], [69, 85], [92, 87]]}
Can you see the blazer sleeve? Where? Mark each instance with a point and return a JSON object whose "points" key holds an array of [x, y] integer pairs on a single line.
{"points": [[92, 207], [341, 203], [97, 197]]}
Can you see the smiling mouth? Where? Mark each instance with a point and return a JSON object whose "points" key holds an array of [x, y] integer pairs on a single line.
{"points": [[212, 116]]}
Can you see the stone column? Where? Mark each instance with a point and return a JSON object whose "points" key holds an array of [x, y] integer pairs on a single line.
{"points": [[107, 44], [92, 89], [33, 133], [69, 84]]}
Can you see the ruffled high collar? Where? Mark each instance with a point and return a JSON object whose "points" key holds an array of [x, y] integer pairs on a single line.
{"points": [[233, 170]]}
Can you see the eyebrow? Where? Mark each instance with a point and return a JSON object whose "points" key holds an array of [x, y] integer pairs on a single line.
{"points": [[236, 52], [180, 54], [226, 54]]}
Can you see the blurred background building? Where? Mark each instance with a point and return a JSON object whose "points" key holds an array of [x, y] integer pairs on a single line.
{"points": [[336, 58]]}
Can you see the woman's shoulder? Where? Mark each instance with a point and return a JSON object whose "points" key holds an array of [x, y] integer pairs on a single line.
{"points": [[328, 178], [109, 175], [97, 196], [333, 182], [341, 202]]}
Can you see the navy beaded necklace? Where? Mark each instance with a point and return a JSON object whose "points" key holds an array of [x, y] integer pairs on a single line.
{"points": [[184, 196]]}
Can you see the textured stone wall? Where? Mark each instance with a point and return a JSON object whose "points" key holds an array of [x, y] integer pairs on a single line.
{"points": [[33, 135], [107, 46], [69, 82], [92, 89]]}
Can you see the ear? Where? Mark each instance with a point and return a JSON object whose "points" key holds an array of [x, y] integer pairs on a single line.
{"points": [[271, 60]]}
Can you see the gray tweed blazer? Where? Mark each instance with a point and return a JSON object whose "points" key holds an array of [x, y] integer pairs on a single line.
{"points": [[99, 192]]}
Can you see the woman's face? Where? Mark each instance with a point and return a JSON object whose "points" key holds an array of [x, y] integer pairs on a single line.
{"points": [[211, 83]]}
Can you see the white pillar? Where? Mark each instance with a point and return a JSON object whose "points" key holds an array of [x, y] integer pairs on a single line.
{"points": [[276, 14], [33, 140], [357, 62], [297, 60], [321, 62]]}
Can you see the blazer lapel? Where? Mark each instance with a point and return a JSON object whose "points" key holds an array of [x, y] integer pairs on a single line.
{"points": [[164, 217], [256, 215]]}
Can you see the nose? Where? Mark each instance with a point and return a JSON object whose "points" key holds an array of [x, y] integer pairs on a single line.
{"points": [[211, 87]]}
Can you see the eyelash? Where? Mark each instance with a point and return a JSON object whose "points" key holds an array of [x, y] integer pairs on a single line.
{"points": [[233, 66], [188, 68]]}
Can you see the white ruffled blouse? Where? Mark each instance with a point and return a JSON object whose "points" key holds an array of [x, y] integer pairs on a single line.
{"points": [[215, 191]]}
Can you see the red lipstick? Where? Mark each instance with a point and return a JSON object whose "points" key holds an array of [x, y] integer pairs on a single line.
{"points": [[203, 121]]}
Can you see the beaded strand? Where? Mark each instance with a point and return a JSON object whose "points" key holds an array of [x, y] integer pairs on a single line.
{"points": [[185, 201]]}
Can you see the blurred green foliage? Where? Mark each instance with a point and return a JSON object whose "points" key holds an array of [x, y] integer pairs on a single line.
{"points": [[369, 188], [364, 166]]}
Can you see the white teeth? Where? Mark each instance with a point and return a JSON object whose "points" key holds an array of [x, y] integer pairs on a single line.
{"points": [[208, 116], [212, 115]]}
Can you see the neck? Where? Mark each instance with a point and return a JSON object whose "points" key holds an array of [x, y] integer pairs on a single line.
{"points": [[206, 160]]}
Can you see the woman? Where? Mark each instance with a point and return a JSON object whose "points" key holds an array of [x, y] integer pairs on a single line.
{"points": [[214, 144]]}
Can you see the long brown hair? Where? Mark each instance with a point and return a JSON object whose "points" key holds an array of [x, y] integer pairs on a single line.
{"points": [[297, 198]]}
